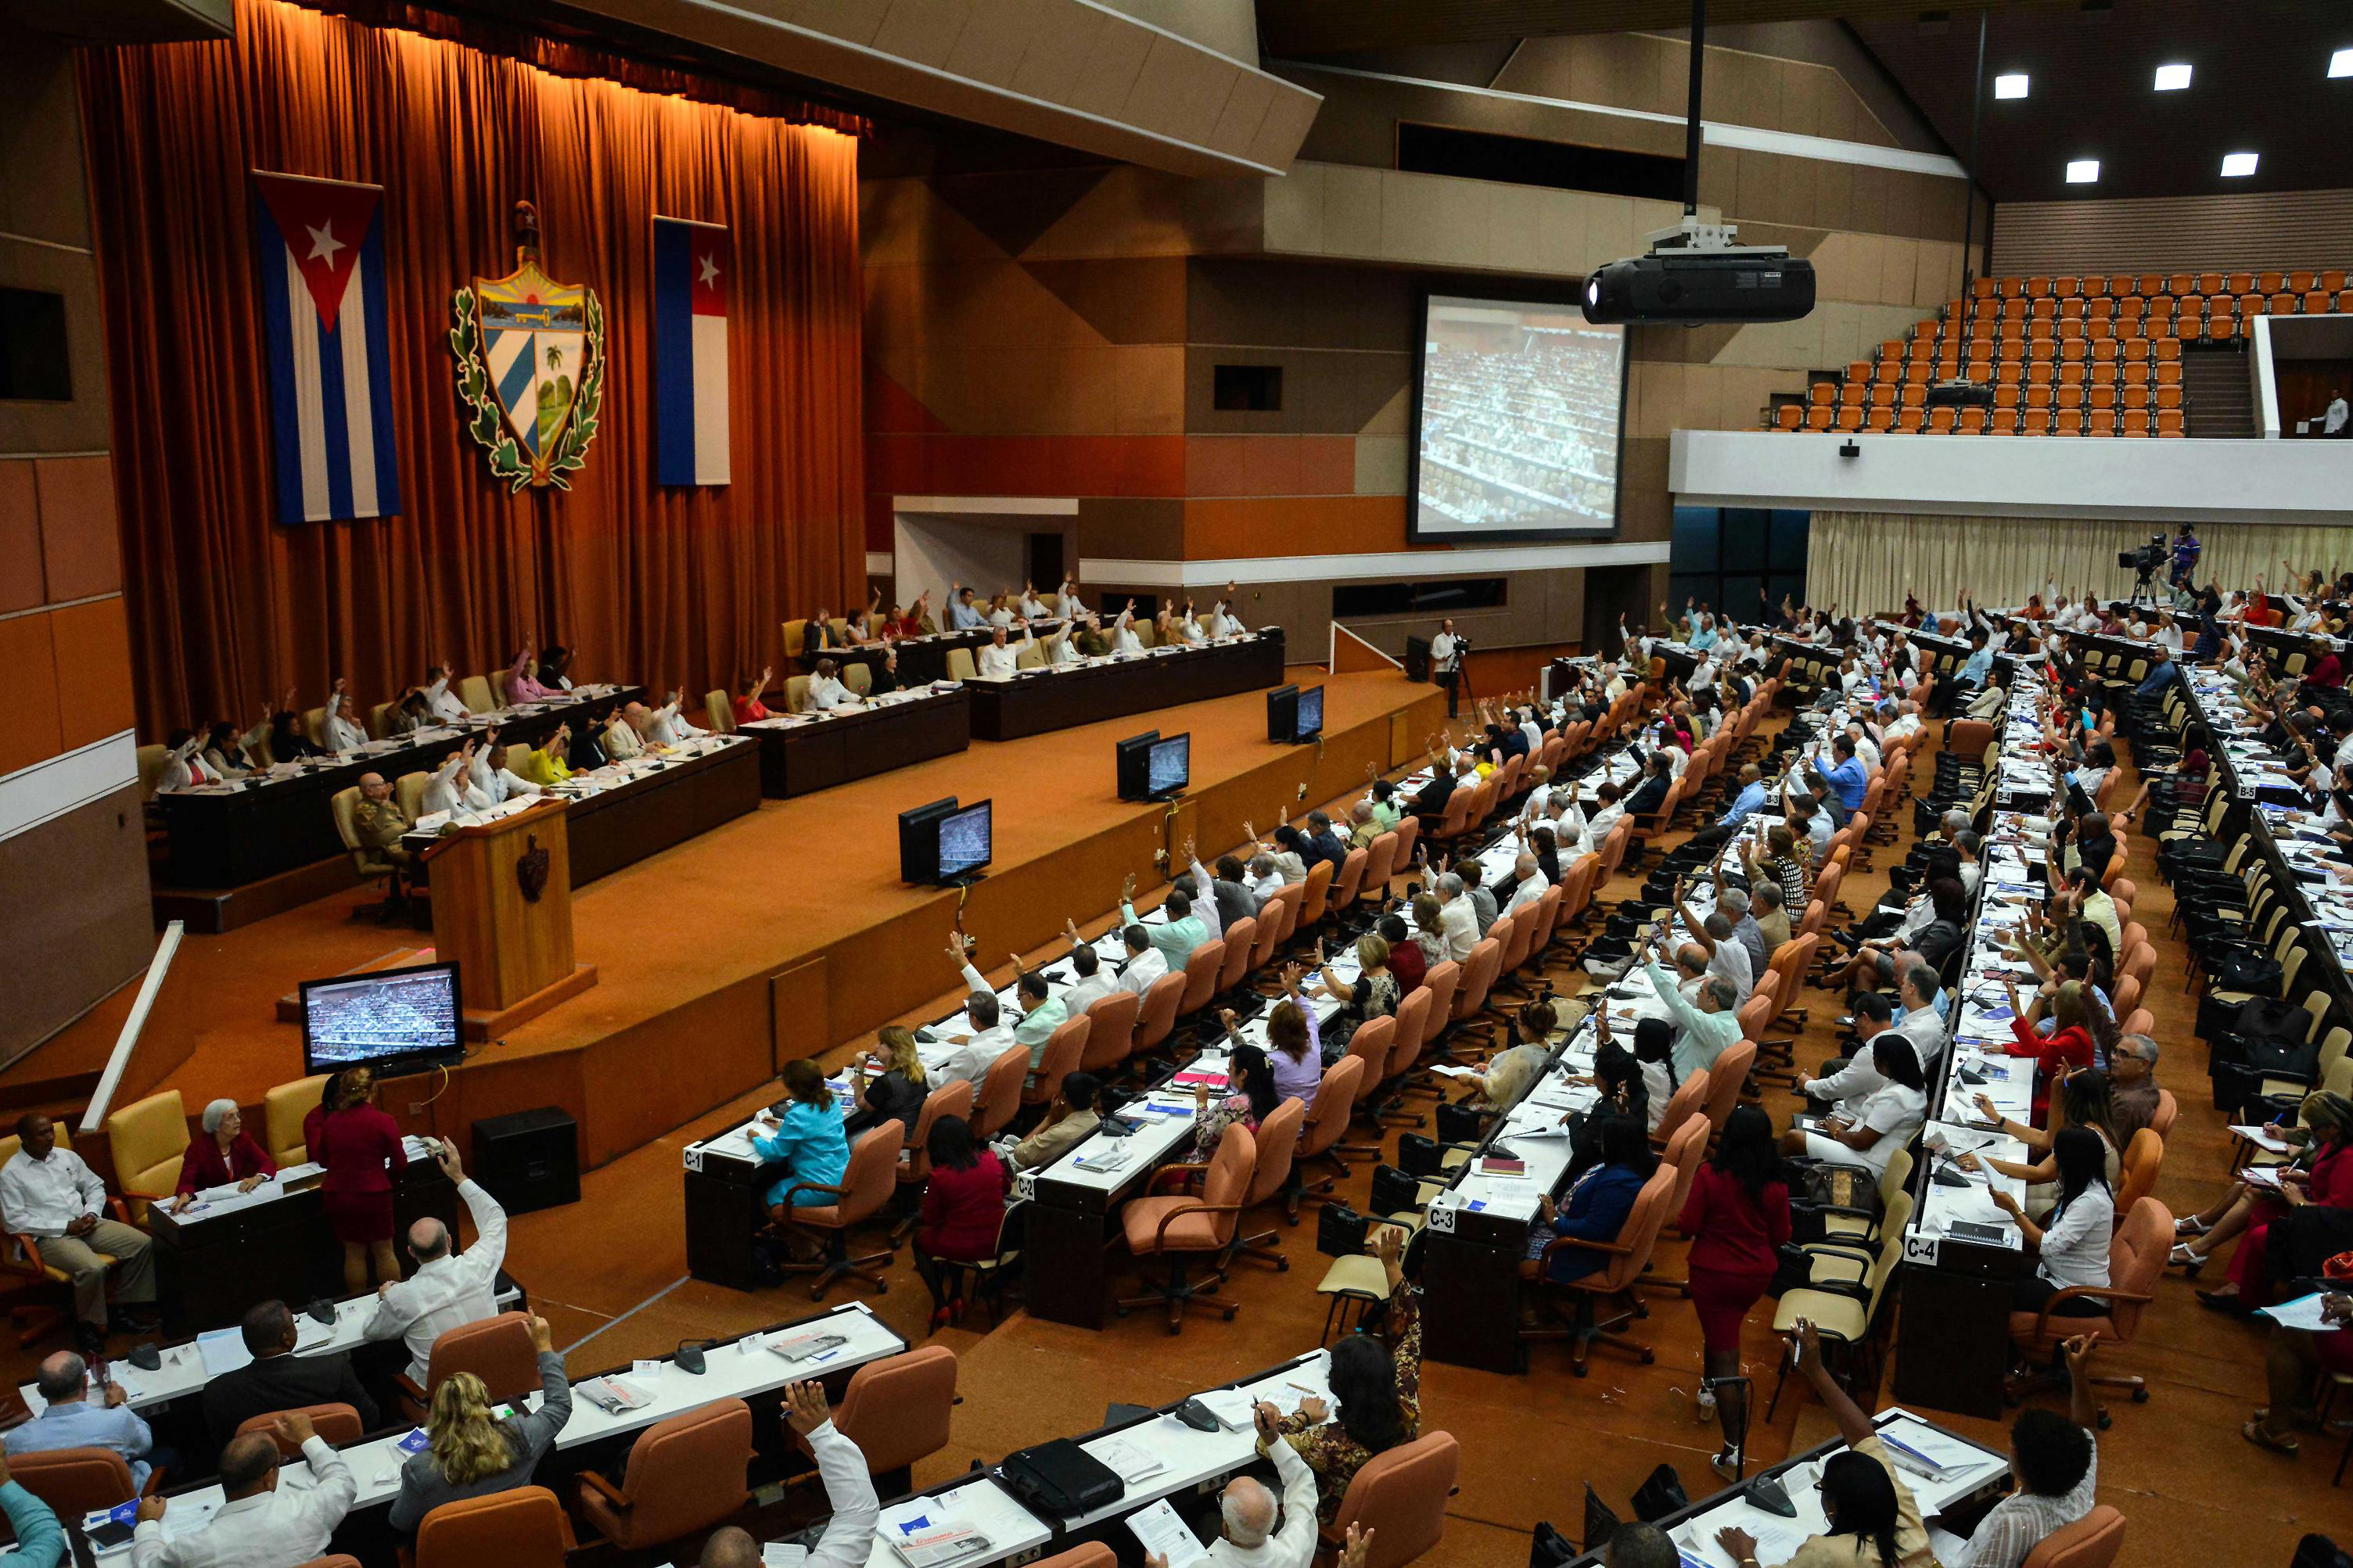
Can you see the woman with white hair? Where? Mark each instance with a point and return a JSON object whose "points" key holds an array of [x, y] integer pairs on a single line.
{"points": [[220, 1154]]}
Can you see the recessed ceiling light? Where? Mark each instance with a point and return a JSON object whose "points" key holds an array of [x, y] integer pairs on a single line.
{"points": [[2013, 85], [2341, 63], [2083, 171], [2172, 79], [2237, 164]]}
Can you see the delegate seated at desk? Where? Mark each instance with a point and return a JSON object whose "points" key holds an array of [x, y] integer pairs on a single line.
{"points": [[806, 1146], [468, 1451], [847, 1541], [260, 1524], [449, 1288], [1248, 1536], [40, 1537], [277, 1379], [48, 1194], [1042, 1012], [1176, 937], [70, 1420], [220, 1154]]}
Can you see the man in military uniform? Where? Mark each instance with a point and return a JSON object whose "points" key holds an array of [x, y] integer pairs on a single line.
{"points": [[378, 823]]}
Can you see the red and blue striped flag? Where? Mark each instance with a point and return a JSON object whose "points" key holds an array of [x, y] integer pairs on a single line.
{"points": [[694, 265]]}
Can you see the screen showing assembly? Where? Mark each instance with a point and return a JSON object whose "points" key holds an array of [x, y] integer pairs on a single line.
{"points": [[964, 843], [1518, 407], [395, 1020], [1172, 765]]}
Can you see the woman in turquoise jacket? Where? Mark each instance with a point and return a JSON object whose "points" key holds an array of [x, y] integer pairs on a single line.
{"points": [[806, 1145]]}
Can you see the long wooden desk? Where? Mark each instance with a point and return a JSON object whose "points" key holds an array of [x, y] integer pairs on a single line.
{"points": [[808, 752], [228, 835], [1060, 697], [233, 1251], [624, 812]]}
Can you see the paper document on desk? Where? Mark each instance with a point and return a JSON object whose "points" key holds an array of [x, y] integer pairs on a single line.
{"points": [[783, 1554], [2304, 1312], [922, 1535], [224, 1352], [1165, 1536], [2263, 1138], [1129, 1462], [1231, 1406]]}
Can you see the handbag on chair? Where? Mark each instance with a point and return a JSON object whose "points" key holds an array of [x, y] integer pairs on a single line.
{"points": [[1340, 1231]]}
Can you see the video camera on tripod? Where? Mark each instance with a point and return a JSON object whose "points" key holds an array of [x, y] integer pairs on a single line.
{"points": [[2145, 562]]}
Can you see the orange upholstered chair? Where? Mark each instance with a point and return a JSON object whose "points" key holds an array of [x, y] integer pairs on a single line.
{"points": [[75, 1481], [1327, 1120], [2135, 1262], [686, 1474], [1371, 1045], [1179, 1228], [865, 1187], [338, 1424], [1629, 1255], [2095, 1541], [1066, 1048], [1380, 859], [1156, 1019], [1111, 1031], [1351, 878], [997, 1099], [1682, 1106], [1241, 939], [340, 1559], [950, 1099], [1399, 1497], [1724, 1083], [1278, 1148], [524, 1527], [1094, 1554], [1315, 895], [497, 1350], [896, 1409], [1202, 967]]}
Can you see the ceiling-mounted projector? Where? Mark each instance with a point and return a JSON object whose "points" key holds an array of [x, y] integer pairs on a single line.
{"points": [[1696, 274]]}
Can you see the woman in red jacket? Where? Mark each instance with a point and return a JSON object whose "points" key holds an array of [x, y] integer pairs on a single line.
{"points": [[2326, 1181], [962, 1207], [220, 1154], [360, 1148], [1738, 1218], [2069, 1043]]}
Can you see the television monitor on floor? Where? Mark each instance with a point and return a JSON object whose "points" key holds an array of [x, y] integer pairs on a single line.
{"points": [[1170, 766], [1133, 762], [393, 1021], [1282, 714], [964, 841], [919, 841], [1308, 722]]}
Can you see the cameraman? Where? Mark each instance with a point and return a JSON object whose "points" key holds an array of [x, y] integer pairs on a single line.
{"points": [[2185, 549], [1446, 664]]}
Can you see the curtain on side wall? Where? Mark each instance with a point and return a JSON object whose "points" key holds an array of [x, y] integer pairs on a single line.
{"points": [[682, 586], [1865, 562]]}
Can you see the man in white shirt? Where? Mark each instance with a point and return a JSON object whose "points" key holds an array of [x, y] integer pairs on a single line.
{"points": [[1726, 957], [1446, 664], [449, 1289], [1123, 632], [1906, 722], [1530, 887], [1249, 1536], [441, 699], [963, 614], [260, 1524], [668, 726], [999, 658], [46, 1192], [453, 787], [849, 1537], [497, 780], [2332, 422], [621, 741], [1093, 984], [1145, 963], [1858, 1078], [991, 1037], [826, 691], [1915, 988], [1458, 918]]}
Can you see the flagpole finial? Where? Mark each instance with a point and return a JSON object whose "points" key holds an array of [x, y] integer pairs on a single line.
{"points": [[526, 222]]}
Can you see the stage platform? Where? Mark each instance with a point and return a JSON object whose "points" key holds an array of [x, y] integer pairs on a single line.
{"points": [[774, 936]]}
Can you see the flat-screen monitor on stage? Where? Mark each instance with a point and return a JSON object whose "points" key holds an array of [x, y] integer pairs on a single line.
{"points": [[1310, 723], [1170, 767], [1282, 714], [1518, 422], [1133, 759], [919, 841], [964, 841], [394, 1021]]}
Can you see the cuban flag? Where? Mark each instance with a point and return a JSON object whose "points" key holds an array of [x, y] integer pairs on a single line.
{"points": [[694, 268], [320, 250]]}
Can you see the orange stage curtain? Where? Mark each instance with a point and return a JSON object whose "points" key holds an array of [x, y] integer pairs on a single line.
{"points": [[681, 585]]}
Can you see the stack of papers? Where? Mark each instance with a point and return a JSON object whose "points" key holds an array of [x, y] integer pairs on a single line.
{"points": [[1231, 1406], [1164, 1535], [1132, 1462], [922, 1535], [613, 1394]]}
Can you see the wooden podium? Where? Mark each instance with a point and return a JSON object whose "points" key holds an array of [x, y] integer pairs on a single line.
{"points": [[502, 914]]}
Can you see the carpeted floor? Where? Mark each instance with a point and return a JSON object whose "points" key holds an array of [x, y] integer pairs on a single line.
{"points": [[611, 1274]]}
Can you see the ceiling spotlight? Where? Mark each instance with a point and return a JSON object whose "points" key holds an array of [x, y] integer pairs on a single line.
{"points": [[2172, 79], [2083, 171], [2341, 63], [2235, 164], [2014, 85]]}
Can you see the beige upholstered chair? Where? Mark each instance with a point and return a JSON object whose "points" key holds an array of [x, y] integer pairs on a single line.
{"points": [[147, 1140], [283, 1108]]}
